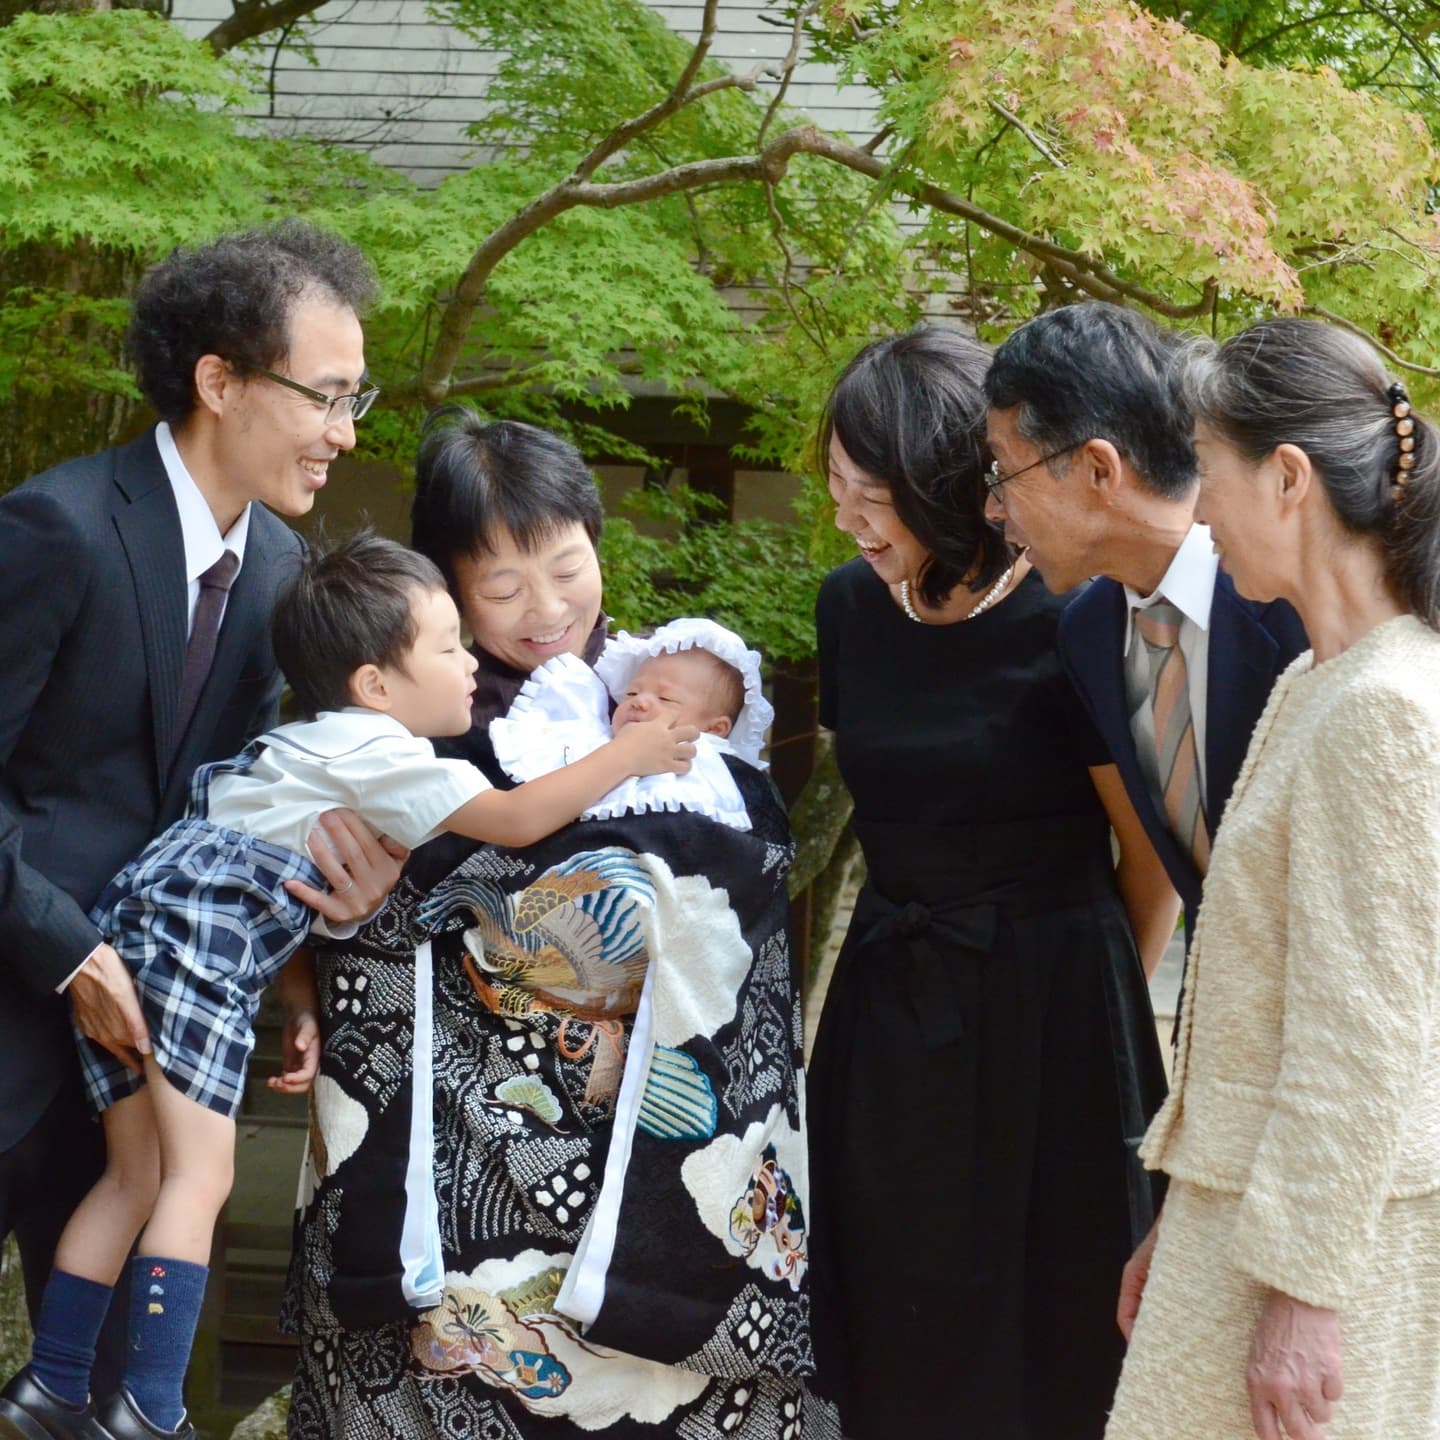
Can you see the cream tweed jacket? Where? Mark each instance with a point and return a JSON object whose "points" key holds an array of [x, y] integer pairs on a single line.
{"points": [[1302, 1130]]}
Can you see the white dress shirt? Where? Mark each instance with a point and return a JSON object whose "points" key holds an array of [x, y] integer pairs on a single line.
{"points": [[203, 541], [1189, 585]]}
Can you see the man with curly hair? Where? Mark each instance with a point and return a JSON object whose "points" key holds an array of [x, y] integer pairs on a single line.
{"points": [[135, 596]]}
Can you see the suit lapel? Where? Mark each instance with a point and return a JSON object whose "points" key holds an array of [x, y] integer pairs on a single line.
{"points": [[149, 527], [1241, 671]]}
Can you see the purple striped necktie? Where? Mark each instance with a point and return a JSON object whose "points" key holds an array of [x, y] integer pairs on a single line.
{"points": [[215, 584], [1178, 765]]}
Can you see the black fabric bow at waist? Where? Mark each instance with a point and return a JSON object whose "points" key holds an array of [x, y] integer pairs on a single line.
{"points": [[936, 936]]}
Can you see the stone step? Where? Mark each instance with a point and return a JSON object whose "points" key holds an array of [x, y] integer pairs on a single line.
{"points": [[255, 1370], [255, 1243], [261, 1103], [253, 1293], [237, 1330]]}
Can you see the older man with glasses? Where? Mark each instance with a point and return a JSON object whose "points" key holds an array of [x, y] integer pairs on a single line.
{"points": [[135, 596], [1094, 471]]}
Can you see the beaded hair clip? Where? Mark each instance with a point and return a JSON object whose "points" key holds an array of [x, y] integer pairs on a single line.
{"points": [[1405, 430]]}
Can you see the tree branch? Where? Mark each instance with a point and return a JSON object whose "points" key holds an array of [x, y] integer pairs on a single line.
{"points": [[787, 68], [1029, 134], [1305, 22], [254, 17], [1369, 339], [1091, 276], [770, 163], [681, 94], [1386, 18], [873, 144], [685, 93]]}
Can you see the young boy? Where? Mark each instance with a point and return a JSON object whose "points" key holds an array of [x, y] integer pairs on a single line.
{"points": [[689, 672], [370, 640]]}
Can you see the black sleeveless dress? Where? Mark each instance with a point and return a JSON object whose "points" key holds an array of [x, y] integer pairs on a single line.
{"points": [[986, 1059]]}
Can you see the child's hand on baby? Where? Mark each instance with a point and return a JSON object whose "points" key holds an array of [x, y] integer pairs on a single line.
{"points": [[654, 747], [299, 1054]]}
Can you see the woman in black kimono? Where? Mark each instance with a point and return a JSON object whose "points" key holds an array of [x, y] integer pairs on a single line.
{"points": [[987, 1048]]}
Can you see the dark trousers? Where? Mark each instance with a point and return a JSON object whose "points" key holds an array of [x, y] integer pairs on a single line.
{"points": [[43, 1177]]}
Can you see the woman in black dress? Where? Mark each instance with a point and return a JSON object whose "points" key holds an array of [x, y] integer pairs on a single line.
{"points": [[987, 1047]]}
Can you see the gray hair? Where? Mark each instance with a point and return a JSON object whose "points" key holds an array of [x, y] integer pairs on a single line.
{"points": [[1325, 391]]}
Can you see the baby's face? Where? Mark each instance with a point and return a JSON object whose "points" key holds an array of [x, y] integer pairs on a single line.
{"points": [[679, 687]]}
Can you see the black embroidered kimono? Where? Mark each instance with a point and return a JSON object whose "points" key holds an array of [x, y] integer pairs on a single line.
{"points": [[686, 1235]]}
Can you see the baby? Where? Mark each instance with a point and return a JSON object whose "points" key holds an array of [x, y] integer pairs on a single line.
{"points": [[692, 672], [686, 687], [369, 639]]}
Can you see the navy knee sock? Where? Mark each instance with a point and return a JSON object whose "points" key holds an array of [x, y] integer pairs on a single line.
{"points": [[165, 1298], [72, 1311]]}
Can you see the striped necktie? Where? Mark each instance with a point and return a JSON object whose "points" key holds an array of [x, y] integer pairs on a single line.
{"points": [[215, 585], [1177, 767]]}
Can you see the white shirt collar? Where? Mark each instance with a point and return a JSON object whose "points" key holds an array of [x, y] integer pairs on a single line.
{"points": [[333, 733], [1189, 583], [198, 530]]}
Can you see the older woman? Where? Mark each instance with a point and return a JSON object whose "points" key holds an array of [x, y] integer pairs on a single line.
{"points": [[434, 1285], [1293, 1287], [987, 1045]]}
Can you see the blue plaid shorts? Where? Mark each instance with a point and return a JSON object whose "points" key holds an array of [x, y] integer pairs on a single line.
{"points": [[204, 922]]}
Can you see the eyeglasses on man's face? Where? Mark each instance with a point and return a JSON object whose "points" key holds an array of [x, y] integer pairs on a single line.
{"points": [[337, 407], [995, 482]]}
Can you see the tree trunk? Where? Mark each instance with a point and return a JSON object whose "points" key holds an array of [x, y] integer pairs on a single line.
{"points": [[819, 816], [827, 897], [14, 1321]]}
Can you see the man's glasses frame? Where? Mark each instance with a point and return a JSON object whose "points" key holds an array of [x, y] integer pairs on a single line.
{"points": [[337, 407], [995, 482]]}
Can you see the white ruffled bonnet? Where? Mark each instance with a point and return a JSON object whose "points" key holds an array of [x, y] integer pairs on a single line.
{"points": [[624, 654]]}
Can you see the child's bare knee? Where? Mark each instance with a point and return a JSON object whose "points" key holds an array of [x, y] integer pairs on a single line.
{"points": [[205, 1189], [132, 1182]]}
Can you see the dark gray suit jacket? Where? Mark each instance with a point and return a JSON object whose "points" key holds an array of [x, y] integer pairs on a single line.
{"points": [[92, 646], [1250, 645]]}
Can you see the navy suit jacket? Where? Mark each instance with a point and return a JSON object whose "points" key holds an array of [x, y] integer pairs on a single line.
{"points": [[93, 619], [1250, 645]]}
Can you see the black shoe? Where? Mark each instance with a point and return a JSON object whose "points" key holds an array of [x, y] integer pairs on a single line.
{"points": [[28, 1411], [120, 1418]]}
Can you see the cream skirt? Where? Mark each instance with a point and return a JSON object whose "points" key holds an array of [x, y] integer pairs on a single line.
{"points": [[1184, 1376]]}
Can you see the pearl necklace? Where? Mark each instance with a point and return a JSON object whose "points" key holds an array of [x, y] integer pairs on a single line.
{"points": [[986, 600]]}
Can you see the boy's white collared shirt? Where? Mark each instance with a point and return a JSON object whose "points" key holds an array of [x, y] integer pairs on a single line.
{"points": [[392, 779], [1189, 585]]}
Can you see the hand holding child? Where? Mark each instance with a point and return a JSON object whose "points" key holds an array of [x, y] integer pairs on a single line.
{"points": [[654, 747], [362, 870], [107, 1007]]}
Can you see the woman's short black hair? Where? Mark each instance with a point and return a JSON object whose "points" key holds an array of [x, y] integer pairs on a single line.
{"points": [[1096, 371], [1312, 385], [349, 606], [909, 410], [473, 477], [234, 297]]}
